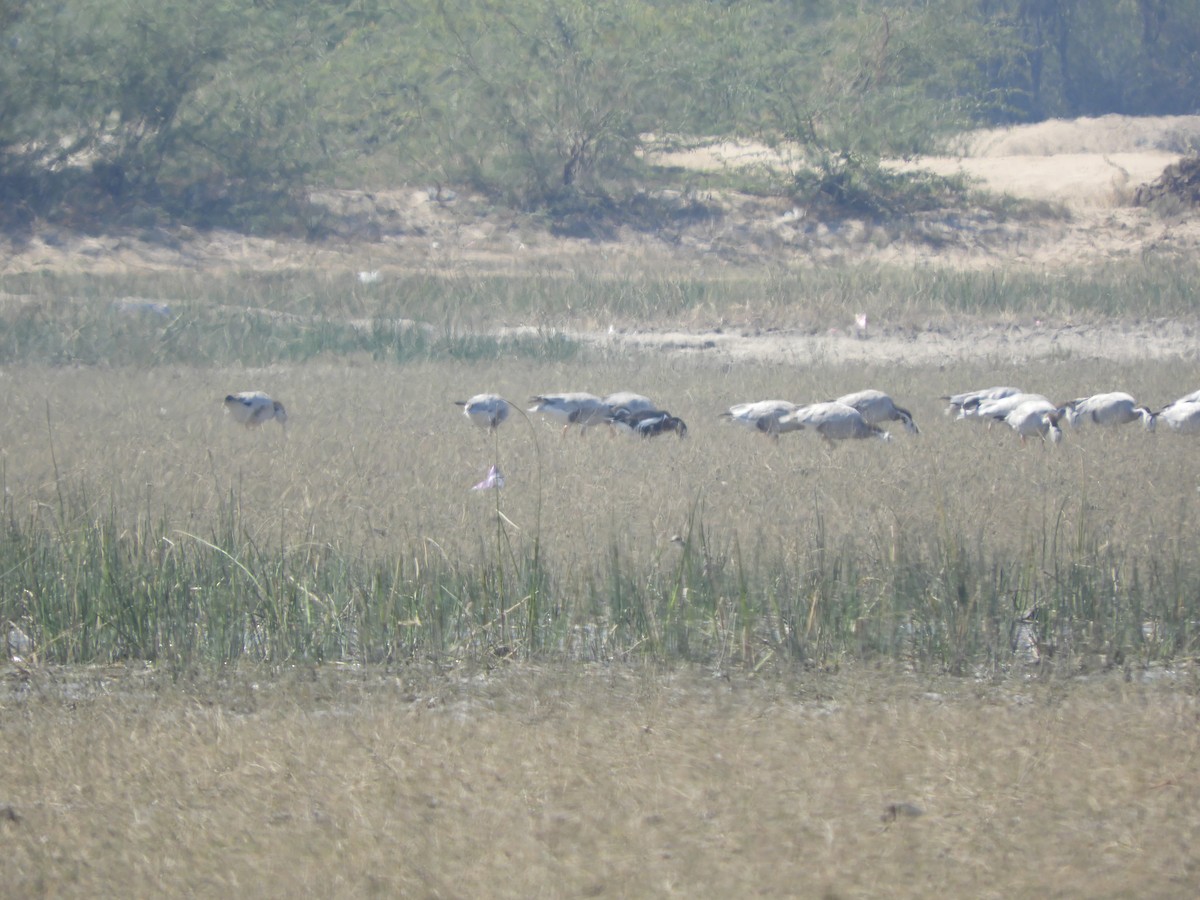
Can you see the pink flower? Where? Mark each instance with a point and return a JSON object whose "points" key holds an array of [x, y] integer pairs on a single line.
{"points": [[494, 480]]}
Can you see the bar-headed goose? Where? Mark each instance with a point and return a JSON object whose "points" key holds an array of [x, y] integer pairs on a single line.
{"points": [[254, 408], [999, 407], [1034, 417], [963, 405], [569, 409], [1111, 409], [1183, 417], [1193, 397], [877, 407], [485, 410], [630, 401], [761, 415], [834, 421], [647, 423]]}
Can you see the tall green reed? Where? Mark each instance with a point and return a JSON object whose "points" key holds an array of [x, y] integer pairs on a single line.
{"points": [[90, 583]]}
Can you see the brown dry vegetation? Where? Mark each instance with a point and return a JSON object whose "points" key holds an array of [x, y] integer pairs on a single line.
{"points": [[378, 460], [607, 776], [595, 781]]}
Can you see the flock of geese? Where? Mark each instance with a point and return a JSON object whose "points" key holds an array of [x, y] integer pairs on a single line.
{"points": [[632, 413], [1033, 414], [850, 417], [858, 415]]}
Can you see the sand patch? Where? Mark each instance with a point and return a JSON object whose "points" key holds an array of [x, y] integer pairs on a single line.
{"points": [[1083, 163], [1007, 344]]}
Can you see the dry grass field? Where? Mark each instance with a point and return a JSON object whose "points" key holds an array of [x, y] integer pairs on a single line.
{"points": [[598, 781], [315, 662], [761, 538], [606, 773]]}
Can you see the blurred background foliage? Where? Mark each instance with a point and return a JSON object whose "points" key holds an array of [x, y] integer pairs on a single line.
{"points": [[222, 113]]}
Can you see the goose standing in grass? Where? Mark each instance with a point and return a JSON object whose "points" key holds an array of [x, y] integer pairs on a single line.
{"points": [[1034, 417], [1111, 409], [834, 421], [1181, 416], [877, 407], [254, 408], [963, 405], [762, 415], [569, 409], [485, 410], [647, 423]]}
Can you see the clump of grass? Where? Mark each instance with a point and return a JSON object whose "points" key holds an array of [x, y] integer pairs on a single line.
{"points": [[60, 332], [262, 319], [87, 586]]}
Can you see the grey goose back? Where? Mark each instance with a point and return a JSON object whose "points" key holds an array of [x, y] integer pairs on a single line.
{"points": [[876, 407], [834, 421]]}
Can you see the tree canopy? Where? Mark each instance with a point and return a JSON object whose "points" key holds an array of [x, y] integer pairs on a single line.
{"points": [[215, 109]]}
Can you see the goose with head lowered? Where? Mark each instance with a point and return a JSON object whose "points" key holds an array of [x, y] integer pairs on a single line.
{"points": [[1109, 410], [876, 407], [762, 415], [1181, 417], [995, 409], [1193, 397], [254, 408], [647, 423], [1033, 417], [963, 405], [834, 421], [485, 410], [575, 408], [630, 401]]}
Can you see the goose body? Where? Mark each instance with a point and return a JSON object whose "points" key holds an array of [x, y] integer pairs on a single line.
{"points": [[648, 423], [762, 415], [569, 409], [1034, 417], [834, 421], [1193, 397], [963, 405], [630, 401], [877, 407], [1180, 416], [254, 408], [1111, 409], [999, 407], [485, 410]]}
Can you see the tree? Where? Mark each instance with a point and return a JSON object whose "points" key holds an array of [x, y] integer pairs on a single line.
{"points": [[540, 100], [1101, 56], [845, 90], [155, 97]]}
